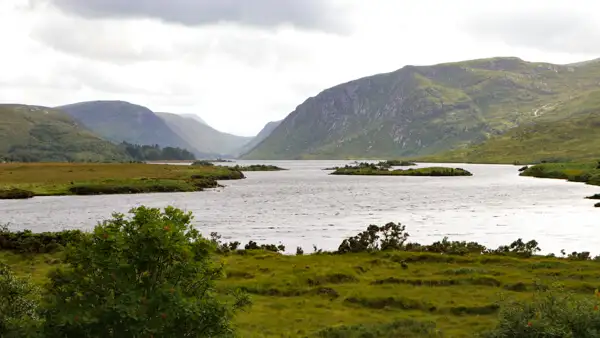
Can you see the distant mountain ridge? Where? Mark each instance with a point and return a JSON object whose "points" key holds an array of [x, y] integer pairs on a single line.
{"points": [[119, 121], [423, 110], [263, 134], [43, 134], [205, 139]]}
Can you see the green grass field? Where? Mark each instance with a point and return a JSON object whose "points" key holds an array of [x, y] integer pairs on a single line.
{"points": [[586, 172], [45, 179], [301, 296]]}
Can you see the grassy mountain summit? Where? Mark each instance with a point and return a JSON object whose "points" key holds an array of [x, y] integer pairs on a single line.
{"points": [[119, 121], [424, 110], [203, 137], [33, 133]]}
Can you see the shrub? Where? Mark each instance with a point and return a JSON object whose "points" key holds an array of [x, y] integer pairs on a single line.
{"points": [[19, 301], [202, 163], [388, 237], [150, 275], [28, 242], [554, 313], [14, 193]]}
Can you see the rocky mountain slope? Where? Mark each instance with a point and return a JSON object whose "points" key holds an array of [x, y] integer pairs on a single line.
{"points": [[204, 138], [567, 131], [263, 134], [119, 121], [423, 110], [41, 134]]}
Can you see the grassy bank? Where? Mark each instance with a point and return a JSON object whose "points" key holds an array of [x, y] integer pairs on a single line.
{"points": [[587, 172], [379, 171], [301, 296], [454, 288], [47, 179]]}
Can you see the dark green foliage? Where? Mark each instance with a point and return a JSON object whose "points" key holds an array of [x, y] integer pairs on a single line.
{"points": [[156, 153], [46, 242], [449, 247], [41, 134], [388, 237], [299, 251], [14, 193], [395, 163], [268, 247], [257, 167], [553, 313], [597, 205], [369, 169], [519, 248], [19, 301], [405, 328], [594, 197], [203, 163], [151, 275]]}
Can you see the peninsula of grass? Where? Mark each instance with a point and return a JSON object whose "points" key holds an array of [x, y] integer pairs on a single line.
{"points": [[257, 167], [378, 171], [587, 172], [449, 289], [50, 179]]}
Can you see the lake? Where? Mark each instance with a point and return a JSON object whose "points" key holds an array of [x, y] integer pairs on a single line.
{"points": [[305, 206]]}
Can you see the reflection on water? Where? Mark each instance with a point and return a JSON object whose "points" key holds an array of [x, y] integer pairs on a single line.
{"points": [[305, 206]]}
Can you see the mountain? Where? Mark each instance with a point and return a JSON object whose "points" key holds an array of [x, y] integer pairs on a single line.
{"points": [[263, 134], [566, 131], [423, 110], [205, 139], [41, 134], [195, 117], [119, 121]]}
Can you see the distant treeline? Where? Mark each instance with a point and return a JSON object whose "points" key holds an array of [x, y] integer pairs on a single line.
{"points": [[155, 152]]}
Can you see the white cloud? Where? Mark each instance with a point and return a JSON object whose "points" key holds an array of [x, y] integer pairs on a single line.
{"points": [[238, 75]]}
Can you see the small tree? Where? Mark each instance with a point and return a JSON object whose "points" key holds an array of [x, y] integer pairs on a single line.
{"points": [[553, 313], [148, 276], [19, 301]]}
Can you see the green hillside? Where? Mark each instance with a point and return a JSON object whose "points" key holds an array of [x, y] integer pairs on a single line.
{"points": [[119, 121], [39, 134], [425, 110], [567, 131]]}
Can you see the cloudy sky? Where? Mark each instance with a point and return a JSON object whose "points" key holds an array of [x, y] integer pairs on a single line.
{"points": [[241, 63]]}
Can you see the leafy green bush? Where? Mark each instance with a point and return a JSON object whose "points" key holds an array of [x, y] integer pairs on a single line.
{"points": [[553, 313], [19, 300], [46, 242], [14, 194], [203, 163], [150, 275], [388, 237]]}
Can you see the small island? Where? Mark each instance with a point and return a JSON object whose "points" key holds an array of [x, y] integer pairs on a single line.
{"points": [[370, 169], [257, 167]]}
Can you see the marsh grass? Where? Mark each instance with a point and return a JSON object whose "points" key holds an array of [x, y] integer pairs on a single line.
{"points": [[328, 295], [46, 179]]}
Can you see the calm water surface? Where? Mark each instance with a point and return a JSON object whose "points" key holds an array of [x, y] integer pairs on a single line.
{"points": [[306, 206]]}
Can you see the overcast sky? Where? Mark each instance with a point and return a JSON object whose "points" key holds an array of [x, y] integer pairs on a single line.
{"points": [[241, 63]]}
